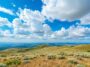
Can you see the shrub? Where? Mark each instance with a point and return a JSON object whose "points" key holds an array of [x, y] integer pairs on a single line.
{"points": [[3, 65], [52, 57], [79, 58], [84, 55], [61, 57], [29, 58], [26, 61], [73, 62], [88, 51], [13, 62], [62, 54], [42, 55], [26, 58], [80, 65], [2, 55]]}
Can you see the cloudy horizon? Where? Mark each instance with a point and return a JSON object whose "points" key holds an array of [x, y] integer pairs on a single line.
{"points": [[45, 21]]}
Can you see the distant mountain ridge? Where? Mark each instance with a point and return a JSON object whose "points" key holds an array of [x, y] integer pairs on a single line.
{"points": [[30, 45]]}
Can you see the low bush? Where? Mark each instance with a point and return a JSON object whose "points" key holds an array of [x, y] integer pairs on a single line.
{"points": [[3, 65], [62, 54], [26, 61], [73, 62], [61, 57], [2, 55], [13, 62], [88, 51], [79, 58], [51, 57], [80, 65], [26, 58]]}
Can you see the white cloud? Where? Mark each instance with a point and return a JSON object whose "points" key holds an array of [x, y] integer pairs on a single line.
{"points": [[61, 32], [28, 14], [5, 21], [5, 10], [65, 9], [19, 27], [16, 22], [47, 31], [76, 31], [73, 32], [7, 33], [29, 22], [85, 20], [33, 19], [31, 25]]}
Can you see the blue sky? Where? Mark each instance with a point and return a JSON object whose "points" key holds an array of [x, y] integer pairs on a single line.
{"points": [[43, 20], [14, 5], [33, 5]]}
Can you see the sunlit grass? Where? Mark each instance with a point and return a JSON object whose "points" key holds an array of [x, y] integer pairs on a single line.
{"points": [[47, 56]]}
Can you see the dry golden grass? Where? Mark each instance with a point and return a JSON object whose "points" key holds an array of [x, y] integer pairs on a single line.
{"points": [[47, 56]]}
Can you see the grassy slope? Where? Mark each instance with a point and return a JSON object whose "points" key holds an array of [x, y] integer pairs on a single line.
{"points": [[41, 54]]}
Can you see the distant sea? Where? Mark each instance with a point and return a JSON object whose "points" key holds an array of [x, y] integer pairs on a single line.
{"points": [[30, 45]]}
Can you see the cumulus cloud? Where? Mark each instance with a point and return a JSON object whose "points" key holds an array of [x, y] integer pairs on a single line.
{"points": [[5, 10], [34, 19], [62, 33], [19, 28], [72, 33], [7, 33], [47, 31], [77, 32], [29, 23], [4, 21], [28, 14], [65, 9], [85, 20]]}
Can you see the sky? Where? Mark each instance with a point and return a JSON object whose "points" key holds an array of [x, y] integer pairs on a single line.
{"points": [[45, 21]]}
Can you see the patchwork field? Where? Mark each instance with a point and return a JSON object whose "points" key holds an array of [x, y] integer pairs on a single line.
{"points": [[46, 56]]}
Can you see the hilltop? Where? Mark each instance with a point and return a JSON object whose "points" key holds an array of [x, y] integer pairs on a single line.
{"points": [[47, 56]]}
